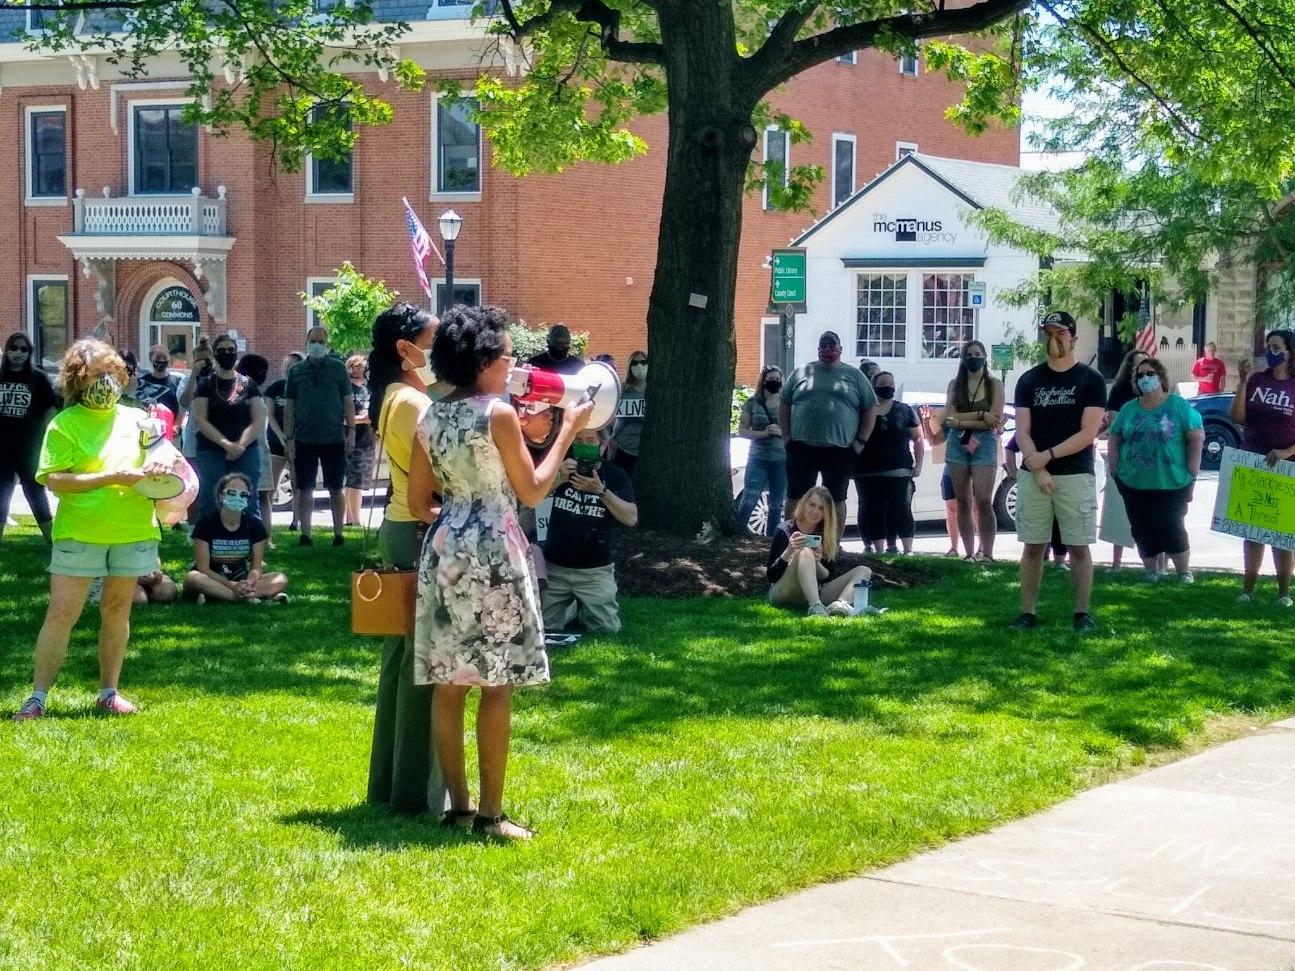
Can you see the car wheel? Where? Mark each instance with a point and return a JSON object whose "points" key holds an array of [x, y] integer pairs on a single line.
{"points": [[282, 498], [1005, 504], [1218, 436], [758, 521]]}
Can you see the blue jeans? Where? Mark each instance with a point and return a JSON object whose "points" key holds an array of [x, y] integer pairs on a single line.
{"points": [[212, 466], [761, 474]]}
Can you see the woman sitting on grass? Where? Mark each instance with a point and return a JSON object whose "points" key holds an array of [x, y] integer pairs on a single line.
{"points": [[229, 551], [801, 556]]}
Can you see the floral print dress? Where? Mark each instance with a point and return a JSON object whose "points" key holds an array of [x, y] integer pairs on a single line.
{"points": [[478, 620]]}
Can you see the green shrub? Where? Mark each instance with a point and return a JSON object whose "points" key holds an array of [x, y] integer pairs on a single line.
{"points": [[348, 307]]}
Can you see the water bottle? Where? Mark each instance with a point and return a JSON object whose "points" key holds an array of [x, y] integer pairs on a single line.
{"points": [[861, 590]]}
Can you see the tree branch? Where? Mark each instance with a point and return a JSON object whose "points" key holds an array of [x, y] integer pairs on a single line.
{"points": [[589, 12], [1259, 40], [768, 73]]}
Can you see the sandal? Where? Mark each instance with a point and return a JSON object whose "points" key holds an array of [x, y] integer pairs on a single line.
{"points": [[951, 553], [458, 818], [500, 827]]}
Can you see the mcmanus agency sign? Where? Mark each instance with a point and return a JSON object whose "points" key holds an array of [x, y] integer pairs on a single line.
{"points": [[910, 230]]}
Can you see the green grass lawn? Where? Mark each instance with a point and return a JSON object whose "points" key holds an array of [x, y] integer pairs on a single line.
{"points": [[717, 754]]}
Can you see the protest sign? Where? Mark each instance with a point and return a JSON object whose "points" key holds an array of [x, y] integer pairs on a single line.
{"points": [[1256, 501]]}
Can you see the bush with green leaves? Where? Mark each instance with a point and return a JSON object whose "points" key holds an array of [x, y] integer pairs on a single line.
{"points": [[529, 341], [348, 308]]}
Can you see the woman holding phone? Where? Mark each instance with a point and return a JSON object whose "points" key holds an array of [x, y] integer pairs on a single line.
{"points": [[801, 556]]}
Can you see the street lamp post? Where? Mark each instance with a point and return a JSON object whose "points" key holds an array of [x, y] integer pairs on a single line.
{"points": [[450, 223]]}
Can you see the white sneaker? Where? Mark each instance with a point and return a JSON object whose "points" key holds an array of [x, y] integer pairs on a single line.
{"points": [[1285, 602], [1187, 576], [1244, 598], [1154, 576], [816, 609], [839, 608]]}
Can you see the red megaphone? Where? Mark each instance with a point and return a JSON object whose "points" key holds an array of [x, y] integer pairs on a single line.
{"points": [[596, 382]]}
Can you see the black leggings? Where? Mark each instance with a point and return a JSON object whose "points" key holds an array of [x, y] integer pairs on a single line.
{"points": [[885, 508], [1156, 517], [33, 490]]}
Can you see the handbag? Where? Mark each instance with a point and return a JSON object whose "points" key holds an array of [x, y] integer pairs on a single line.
{"points": [[383, 599]]}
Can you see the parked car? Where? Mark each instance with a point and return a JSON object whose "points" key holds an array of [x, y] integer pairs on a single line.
{"points": [[1220, 430], [928, 502]]}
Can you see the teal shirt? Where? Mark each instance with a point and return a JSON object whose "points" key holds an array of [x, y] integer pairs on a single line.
{"points": [[318, 390], [1153, 453], [825, 403]]}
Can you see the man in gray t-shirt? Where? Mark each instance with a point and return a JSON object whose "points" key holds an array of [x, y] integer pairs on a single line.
{"points": [[826, 412]]}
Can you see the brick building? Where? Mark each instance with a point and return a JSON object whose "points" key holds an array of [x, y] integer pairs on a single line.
{"points": [[119, 213]]}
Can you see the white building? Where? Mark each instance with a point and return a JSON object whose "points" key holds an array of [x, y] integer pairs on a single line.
{"points": [[891, 270]]}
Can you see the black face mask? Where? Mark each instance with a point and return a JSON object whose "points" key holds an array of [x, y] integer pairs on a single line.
{"points": [[773, 386], [974, 364], [227, 359], [885, 394], [558, 352]]}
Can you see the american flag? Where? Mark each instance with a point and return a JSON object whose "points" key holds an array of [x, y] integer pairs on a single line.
{"points": [[423, 247], [1146, 339]]}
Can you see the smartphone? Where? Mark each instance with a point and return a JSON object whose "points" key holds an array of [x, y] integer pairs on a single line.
{"points": [[813, 542]]}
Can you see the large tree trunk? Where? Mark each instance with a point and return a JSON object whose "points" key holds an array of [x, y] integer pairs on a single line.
{"points": [[683, 472]]}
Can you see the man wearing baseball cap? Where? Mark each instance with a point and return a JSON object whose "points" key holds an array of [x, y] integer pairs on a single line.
{"points": [[1059, 407], [826, 413]]}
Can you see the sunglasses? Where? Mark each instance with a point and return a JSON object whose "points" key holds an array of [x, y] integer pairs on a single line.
{"points": [[19, 347], [237, 492]]}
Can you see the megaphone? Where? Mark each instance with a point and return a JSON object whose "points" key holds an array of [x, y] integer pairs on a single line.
{"points": [[536, 390]]}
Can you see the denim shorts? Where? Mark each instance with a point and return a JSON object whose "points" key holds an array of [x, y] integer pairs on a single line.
{"points": [[72, 558]]}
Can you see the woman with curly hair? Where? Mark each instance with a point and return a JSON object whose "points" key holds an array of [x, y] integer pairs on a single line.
{"points": [[479, 622], [91, 457]]}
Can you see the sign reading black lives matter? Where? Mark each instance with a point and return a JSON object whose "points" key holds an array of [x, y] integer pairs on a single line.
{"points": [[174, 305], [908, 229]]}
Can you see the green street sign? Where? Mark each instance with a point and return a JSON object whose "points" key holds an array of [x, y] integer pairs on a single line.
{"points": [[789, 276], [1003, 357]]}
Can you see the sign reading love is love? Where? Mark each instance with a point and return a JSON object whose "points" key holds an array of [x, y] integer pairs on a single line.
{"points": [[1256, 501]]}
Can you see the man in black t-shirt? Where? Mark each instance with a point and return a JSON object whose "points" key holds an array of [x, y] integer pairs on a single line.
{"points": [[158, 385], [558, 357], [591, 497], [1059, 408]]}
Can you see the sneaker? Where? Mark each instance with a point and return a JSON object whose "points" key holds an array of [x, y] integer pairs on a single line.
{"points": [[839, 608], [1154, 576], [339, 540], [115, 704], [31, 710], [1025, 621], [200, 600], [292, 526], [816, 609], [253, 600], [1284, 602], [1187, 576], [305, 541], [1244, 598], [280, 598], [1084, 623]]}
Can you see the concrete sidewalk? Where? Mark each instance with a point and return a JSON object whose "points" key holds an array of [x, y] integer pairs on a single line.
{"points": [[1187, 866]]}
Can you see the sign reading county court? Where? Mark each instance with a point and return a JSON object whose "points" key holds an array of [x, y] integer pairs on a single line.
{"points": [[1256, 501], [790, 276]]}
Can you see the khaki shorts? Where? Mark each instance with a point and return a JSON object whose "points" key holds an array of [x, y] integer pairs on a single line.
{"points": [[1073, 504], [72, 558]]}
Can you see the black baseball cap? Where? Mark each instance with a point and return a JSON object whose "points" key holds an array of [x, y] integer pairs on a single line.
{"points": [[1059, 318], [829, 339]]}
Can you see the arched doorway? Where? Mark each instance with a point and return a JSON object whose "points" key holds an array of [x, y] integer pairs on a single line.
{"points": [[169, 316]]}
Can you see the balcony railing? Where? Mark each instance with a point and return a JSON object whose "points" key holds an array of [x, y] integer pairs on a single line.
{"points": [[194, 215]]}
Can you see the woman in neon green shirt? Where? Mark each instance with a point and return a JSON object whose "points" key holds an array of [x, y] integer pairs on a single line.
{"points": [[1155, 456], [91, 457]]}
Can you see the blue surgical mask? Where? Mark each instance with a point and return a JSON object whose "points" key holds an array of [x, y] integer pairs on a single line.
{"points": [[316, 350], [1275, 358], [1148, 383], [234, 503]]}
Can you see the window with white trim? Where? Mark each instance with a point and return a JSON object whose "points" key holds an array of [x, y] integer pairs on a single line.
{"points": [[315, 287], [842, 168], [466, 292], [47, 153], [777, 148], [47, 318], [38, 21], [882, 303], [458, 147], [165, 150], [771, 342], [904, 148], [948, 319], [908, 65], [331, 176]]}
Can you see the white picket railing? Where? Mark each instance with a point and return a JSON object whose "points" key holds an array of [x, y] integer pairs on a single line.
{"points": [[193, 215]]}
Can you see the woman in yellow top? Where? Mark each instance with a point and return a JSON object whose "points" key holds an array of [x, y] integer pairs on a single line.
{"points": [[402, 770], [91, 457]]}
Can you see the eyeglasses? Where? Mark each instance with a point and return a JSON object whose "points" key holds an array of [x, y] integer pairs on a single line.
{"points": [[237, 492], [1148, 374]]}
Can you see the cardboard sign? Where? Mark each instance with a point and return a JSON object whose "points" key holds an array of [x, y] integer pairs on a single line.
{"points": [[1256, 501]]}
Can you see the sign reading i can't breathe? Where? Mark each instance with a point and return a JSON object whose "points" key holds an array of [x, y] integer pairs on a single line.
{"points": [[789, 276], [1256, 501]]}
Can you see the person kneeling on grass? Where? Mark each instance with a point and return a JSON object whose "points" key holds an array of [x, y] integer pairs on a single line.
{"points": [[229, 550], [591, 497], [801, 556]]}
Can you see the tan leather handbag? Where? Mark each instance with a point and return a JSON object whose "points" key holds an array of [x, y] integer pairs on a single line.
{"points": [[383, 602]]}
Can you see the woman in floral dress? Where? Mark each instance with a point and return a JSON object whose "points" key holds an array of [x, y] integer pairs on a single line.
{"points": [[478, 622]]}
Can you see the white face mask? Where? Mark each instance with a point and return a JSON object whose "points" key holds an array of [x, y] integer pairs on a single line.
{"points": [[424, 370], [639, 371], [316, 350]]}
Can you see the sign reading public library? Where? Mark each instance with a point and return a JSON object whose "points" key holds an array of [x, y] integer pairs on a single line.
{"points": [[790, 276], [1256, 501]]}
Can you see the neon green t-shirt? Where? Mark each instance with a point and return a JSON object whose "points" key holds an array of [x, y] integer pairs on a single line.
{"points": [[80, 440]]}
